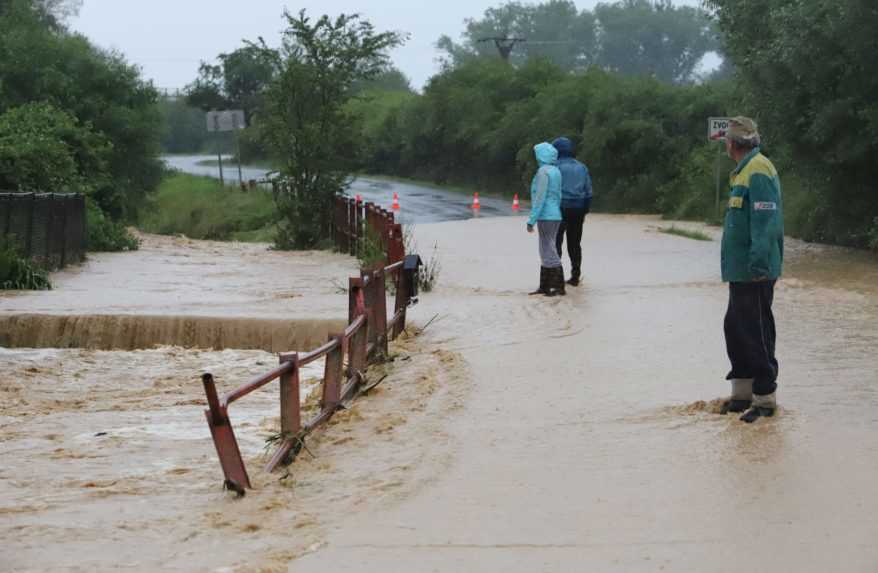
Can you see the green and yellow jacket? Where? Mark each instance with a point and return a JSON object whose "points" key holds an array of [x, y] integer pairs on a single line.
{"points": [[752, 246]]}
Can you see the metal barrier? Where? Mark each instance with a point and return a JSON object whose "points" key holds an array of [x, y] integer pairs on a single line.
{"points": [[48, 228], [347, 356], [354, 221]]}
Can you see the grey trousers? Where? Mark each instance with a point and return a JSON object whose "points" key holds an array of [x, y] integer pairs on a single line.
{"points": [[548, 250]]}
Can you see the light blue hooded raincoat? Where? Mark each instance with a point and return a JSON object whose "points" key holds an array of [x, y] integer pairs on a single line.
{"points": [[545, 190]]}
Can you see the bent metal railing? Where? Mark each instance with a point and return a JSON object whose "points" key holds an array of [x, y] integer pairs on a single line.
{"points": [[347, 356]]}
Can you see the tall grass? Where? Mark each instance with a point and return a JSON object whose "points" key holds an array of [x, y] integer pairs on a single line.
{"points": [[19, 273], [201, 208]]}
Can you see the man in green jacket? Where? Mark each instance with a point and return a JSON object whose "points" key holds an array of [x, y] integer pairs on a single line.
{"points": [[752, 261]]}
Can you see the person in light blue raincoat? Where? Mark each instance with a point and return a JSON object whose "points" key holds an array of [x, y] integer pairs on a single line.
{"points": [[545, 214]]}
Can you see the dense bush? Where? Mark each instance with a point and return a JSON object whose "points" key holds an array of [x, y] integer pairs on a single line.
{"points": [[43, 148], [104, 234], [476, 124], [18, 273]]}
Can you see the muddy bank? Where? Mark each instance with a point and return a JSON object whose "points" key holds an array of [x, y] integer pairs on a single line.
{"points": [[133, 332], [108, 463]]}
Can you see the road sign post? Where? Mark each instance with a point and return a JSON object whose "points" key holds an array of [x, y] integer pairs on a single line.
{"points": [[717, 127], [228, 120]]}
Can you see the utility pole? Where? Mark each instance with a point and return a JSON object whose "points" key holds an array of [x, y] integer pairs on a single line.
{"points": [[504, 45]]}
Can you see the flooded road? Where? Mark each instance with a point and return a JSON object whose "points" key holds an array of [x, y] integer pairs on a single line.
{"points": [[589, 442], [197, 165], [517, 433], [419, 203]]}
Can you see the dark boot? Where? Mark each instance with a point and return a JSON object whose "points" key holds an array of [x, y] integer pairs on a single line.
{"points": [[574, 277], [741, 398], [559, 281], [734, 406], [763, 407], [544, 277], [555, 282]]}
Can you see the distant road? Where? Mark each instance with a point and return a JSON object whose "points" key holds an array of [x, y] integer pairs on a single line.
{"points": [[419, 203]]}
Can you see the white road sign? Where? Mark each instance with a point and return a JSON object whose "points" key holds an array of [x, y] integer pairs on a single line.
{"points": [[717, 127], [228, 120]]}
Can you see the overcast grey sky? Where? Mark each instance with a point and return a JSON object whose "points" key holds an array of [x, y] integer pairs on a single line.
{"points": [[168, 38]]}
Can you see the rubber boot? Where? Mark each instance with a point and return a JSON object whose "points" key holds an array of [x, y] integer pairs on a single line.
{"points": [[555, 282], [544, 277], [741, 398], [763, 407], [574, 277], [551, 282], [559, 281]]}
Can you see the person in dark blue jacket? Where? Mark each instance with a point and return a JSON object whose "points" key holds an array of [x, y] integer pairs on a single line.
{"points": [[576, 195]]}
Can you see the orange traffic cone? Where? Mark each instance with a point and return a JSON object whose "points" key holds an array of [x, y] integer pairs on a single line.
{"points": [[476, 204], [395, 201], [515, 205]]}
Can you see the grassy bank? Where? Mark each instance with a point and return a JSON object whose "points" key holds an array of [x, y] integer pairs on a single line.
{"points": [[200, 208]]}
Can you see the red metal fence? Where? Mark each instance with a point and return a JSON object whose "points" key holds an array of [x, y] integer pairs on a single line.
{"points": [[355, 223], [347, 356]]}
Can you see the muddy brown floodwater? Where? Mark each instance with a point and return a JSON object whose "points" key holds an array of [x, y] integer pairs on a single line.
{"points": [[588, 441], [177, 291], [515, 434]]}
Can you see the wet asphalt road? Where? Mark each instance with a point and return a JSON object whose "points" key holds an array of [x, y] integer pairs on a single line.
{"points": [[418, 203]]}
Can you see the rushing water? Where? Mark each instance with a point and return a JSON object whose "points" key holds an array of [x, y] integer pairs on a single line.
{"points": [[519, 434]]}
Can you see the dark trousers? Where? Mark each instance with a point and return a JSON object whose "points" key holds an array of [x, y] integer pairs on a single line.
{"points": [[750, 335], [571, 225]]}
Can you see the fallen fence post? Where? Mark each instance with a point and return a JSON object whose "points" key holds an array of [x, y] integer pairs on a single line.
{"points": [[224, 439]]}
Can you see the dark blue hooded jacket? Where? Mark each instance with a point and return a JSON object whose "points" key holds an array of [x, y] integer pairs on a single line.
{"points": [[576, 192]]}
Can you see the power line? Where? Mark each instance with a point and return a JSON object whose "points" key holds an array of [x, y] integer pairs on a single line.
{"points": [[504, 45]]}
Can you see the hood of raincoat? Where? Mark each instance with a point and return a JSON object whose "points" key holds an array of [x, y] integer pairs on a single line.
{"points": [[546, 154], [564, 147]]}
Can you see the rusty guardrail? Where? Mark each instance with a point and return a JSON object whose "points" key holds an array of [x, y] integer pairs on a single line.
{"points": [[353, 221], [347, 356]]}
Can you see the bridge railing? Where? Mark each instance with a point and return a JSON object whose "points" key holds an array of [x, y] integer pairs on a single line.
{"points": [[355, 223], [346, 356]]}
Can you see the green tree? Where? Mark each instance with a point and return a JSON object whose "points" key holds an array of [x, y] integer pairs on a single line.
{"points": [[45, 149], [634, 37], [238, 81], [555, 30], [654, 38], [811, 78], [306, 122], [389, 80], [39, 63]]}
